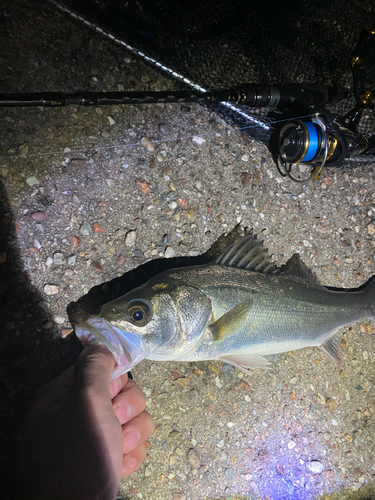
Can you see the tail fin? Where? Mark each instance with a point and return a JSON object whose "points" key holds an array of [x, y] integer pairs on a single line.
{"points": [[369, 295]]}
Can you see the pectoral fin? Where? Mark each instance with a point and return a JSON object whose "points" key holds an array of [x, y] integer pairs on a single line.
{"points": [[231, 321]]}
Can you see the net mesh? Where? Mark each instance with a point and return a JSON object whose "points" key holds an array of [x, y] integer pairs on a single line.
{"points": [[220, 43]]}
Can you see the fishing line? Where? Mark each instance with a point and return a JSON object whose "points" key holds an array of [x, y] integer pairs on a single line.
{"points": [[132, 145]]}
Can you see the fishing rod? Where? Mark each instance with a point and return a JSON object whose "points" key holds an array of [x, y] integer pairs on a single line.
{"points": [[320, 138], [256, 96]]}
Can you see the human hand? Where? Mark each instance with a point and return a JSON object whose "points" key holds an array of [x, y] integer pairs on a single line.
{"points": [[83, 432]]}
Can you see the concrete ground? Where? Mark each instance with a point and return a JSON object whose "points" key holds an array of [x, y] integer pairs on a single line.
{"points": [[88, 194]]}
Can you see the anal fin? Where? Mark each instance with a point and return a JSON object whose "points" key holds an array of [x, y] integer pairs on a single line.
{"points": [[246, 362], [331, 347]]}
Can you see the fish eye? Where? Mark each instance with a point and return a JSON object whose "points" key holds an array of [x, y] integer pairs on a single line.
{"points": [[139, 314]]}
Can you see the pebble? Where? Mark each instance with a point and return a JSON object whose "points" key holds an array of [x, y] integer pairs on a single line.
{"points": [[371, 229], [160, 158], [111, 121], [148, 145], [245, 179], [191, 215], [247, 477], [130, 238], [193, 459], [173, 434], [315, 466], [4, 170], [49, 261], [72, 259], [183, 381], [245, 157], [97, 266], [120, 260], [198, 139], [321, 399], [74, 242], [98, 228], [148, 471], [229, 472], [50, 289], [145, 186], [169, 252], [85, 228], [331, 403], [218, 383], [220, 444], [68, 273], [58, 258], [58, 319], [32, 181], [165, 128], [111, 183], [358, 437], [291, 445], [40, 216]]}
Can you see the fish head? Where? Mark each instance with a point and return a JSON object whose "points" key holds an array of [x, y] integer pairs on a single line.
{"points": [[158, 321]]}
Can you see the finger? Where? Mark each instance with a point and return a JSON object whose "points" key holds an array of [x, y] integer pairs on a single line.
{"points": [[93, 367], [117, 385], [131, 461], [129, 403], [137, 430]]}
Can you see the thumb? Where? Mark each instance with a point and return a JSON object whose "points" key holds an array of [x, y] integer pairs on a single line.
{"points": [[94, 367]]}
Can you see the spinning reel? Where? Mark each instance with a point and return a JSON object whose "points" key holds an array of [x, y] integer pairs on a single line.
{"points": [[324, 139]]}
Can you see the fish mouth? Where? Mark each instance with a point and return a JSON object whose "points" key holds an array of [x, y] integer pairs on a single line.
{"points": [[127, 348]]}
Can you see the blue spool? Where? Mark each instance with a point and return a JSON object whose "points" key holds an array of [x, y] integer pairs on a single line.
{"points": [[314, 141]]}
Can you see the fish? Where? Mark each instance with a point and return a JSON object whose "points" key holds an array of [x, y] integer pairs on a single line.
{"points": [[240, 309]]}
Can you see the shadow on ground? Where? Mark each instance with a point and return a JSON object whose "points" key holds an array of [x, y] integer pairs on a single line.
{"points": [[32, 351]]}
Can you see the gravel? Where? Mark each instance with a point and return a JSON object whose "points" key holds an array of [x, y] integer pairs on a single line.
{"points": [[305, 428]]}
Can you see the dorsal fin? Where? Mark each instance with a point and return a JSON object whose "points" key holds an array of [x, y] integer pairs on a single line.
{"points": [[295, 267], [247, 253]]}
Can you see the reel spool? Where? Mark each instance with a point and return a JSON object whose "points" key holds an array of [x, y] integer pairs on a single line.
{"points": [[322, 140]]}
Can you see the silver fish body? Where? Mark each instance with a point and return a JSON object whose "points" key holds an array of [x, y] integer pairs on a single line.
{"points": [[228, 311]]}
